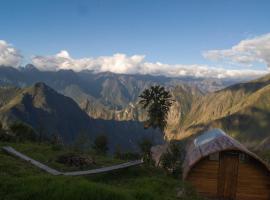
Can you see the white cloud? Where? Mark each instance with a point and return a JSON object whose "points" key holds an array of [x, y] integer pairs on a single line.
{"points": [[9, 56], [256, 49], [246, 52], [121, 63], [118, 63]]}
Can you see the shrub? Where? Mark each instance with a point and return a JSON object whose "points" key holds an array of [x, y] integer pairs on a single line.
{"points": [[145, 147], [57, 142], [101, 144], [172, 159], [23, 132], [118, 154], [4, 136]]}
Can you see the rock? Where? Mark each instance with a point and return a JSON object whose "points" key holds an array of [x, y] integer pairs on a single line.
{"points": [[76, 160], [180, 192]]}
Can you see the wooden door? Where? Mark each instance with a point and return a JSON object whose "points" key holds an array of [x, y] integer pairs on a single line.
{"points": [[228, 172]]}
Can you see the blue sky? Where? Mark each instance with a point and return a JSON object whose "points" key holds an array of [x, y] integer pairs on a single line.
{"points": [[171, 32]]}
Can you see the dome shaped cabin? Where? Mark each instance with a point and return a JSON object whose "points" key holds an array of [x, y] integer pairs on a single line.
{"points": [[219, 167]]}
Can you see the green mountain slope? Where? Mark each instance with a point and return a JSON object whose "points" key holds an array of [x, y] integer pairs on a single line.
{"points": [[111, 100], [50, 112], [108, 90], [110, 96], [243, 110], [46, 110]]}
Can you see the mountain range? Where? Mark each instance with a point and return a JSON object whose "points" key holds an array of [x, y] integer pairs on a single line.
{"points": [[52, 113], [242, 110], [111, 96], [108, 102]]}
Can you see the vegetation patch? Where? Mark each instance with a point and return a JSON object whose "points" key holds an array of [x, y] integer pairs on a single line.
{"points": [[21, 180], [76, 160]]}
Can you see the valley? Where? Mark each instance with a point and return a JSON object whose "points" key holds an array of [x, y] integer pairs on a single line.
{"points": [[108, 102], [134, 100]]}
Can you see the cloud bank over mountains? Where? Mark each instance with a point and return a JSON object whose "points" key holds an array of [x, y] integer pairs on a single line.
{"points": [[246, 52], [136, 64], [117, 63]]}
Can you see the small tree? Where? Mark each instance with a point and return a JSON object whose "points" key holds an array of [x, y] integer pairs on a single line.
{"points": [[145, 147], [157, 101], [23, 132], [101, 144]]}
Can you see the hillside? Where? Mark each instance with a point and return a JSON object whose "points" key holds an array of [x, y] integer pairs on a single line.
{"points": [[50, 112], [110, 96], [242, 110], [21, 180], [46, 110], [111, 103]]}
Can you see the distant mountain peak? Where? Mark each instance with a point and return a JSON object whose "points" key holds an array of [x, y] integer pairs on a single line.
{"points": [[42, 88], [29, 68], [41, 85]]}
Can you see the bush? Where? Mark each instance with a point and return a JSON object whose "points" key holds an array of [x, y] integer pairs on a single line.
{"points": [[4, 136], [57, 142], [23, 132], [118, 154], [145, 147], [101, 144], [172, 159]]}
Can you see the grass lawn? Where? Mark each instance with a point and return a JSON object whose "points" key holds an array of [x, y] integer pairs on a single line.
{"points": [[46, 154], [20, 180]]}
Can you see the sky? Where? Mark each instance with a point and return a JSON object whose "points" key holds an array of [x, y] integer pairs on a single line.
{"points": [[219, 38]]}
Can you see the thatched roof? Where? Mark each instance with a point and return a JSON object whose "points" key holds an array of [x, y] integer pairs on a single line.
{"points": [[210, 142]]}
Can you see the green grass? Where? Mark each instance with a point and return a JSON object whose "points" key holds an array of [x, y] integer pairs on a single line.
{"points": [[48, 155], [21, 180]]}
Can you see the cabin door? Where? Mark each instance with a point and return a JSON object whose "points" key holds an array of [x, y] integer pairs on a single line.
{"points": [[228, 172]]}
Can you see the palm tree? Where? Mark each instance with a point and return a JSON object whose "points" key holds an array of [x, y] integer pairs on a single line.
{"points": [[157, 101]]}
